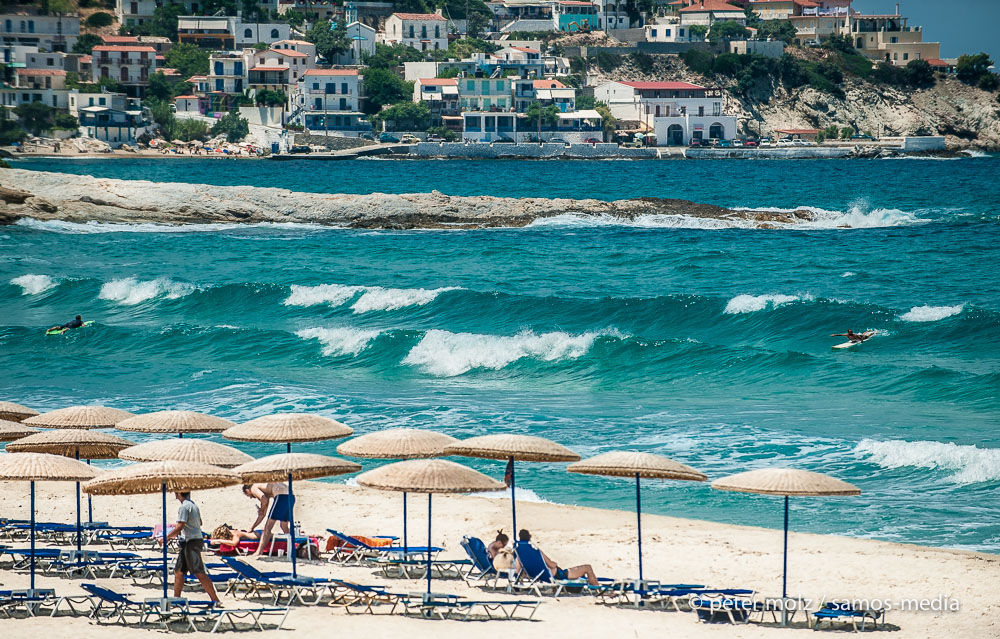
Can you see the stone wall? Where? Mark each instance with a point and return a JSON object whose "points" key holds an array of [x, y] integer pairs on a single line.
{"points": [[540, 151], [331, 142], [799, 153]]}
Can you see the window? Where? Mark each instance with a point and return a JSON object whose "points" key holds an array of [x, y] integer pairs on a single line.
{"points": [[219, 69], [274, 33], [331, 87], [893, 40], [31, 26], [50, 62], [219, 85], [315, 86], [317, 104], [7, 26], [680, 32], [652, 33], [343, 88], [470, 85], [248, 33], [411, 30], [666, 32], [423, 31], [343, 104], [238, 85], [701, 111], [100, 101], [500, 85], [716, 109], [437, 31], [906, 56], [238, 68]]}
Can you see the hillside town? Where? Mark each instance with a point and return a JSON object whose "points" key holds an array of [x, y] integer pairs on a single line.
{"points": [[297, 76]]}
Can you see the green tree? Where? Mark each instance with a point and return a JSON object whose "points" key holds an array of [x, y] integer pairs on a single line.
{"points": [[549, 114], [782, 30], [189, 129], [163, 22], [187, 58], [846, 133], [444, 132], [232, 126], [752, 18], [919, 73], [85, 43], [727, 30], [99, 19], [405, 116], [840, 43], [163, 87], [11, 132], [388, 56], [36, 116], [384, 87], [465, 47], [330, 40], [294, 18], [698, 31], [971, 68], [476, 25], [227, 7], [266, 97]]}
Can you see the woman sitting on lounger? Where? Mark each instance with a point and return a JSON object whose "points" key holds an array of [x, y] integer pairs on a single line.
{"points": [[226, 535], [498, 544], [576, 572]]}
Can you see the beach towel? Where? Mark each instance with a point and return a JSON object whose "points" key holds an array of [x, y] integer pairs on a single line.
{"points": [[333, 542]]}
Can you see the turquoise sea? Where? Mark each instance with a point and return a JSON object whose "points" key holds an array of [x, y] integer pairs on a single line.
{"points": [[666, 334]]}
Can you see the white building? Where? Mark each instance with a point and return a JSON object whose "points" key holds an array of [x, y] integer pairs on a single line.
{"points": [[227, 73], [675, 111], [422, 31], [708, 12], [670, 29], [330, 100], [125, 64], [248, 34], [48, 33], [47, 86], [362, 39]]}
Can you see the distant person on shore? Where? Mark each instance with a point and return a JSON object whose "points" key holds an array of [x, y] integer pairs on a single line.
{"points": [[576, 572], [498, 544], [276, 495], [188, 528], [850, 335], [76, 322]]}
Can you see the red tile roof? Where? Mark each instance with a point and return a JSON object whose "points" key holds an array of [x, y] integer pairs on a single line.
{"points": [[39, 71], [710, 5], [125, 49], [278, 68], [438, 82], [526, 49], [291, 53], [293, 42], [419, 16], [86, 58], [937, 62], [548, 84], [669, 86], [331, 72]]}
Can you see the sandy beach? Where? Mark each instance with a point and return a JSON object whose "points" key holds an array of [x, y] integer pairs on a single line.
{"points": [[676, 550]]}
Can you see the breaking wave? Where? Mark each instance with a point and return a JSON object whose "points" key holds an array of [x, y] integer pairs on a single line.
{"points": [[446, 354], [33, 284], [340, 341], [130, 291], [971, 464], [930, 313], [754, 303], [372, 298]]}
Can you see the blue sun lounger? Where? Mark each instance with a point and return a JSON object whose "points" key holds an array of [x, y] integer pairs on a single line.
{"points": [[482, 572], [833, 612], [357, 551], [253, 582], [458, 607], [536, 571]]}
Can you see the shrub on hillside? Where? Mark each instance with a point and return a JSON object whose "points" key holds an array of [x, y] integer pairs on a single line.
{"points": [[99, 19]]}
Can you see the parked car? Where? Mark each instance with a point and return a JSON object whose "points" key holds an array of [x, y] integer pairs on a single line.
{"points": [[737, 143], [724, 144], [435, 138], [366, 136], [300, 149], [785, 142], [632, 144], [862, 136], [801, 142], [712, 142], [592, 141], [409, 138], [695, 142], [558, 141], [750, 142], [385, 138], [766, 142], [503, 140]]}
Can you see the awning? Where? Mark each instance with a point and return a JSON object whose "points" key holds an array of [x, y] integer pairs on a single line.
{"points": [[586, 114]]}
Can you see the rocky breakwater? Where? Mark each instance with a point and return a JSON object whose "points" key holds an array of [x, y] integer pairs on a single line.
{"points": [[81, 198]]}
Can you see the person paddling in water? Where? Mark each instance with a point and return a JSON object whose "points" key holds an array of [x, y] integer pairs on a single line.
{"points": [[73, 323], [851, 335]]}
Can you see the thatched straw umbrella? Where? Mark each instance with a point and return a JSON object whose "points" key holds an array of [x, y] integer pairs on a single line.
{"points": [[79, 417], [288, 428], [398, 443], [512, 448], [181, 422], [76, 444], [201, 451], [159, 477], [34, 467], [786, 482], [9, 431], [9, 411], [639, 465], [428, 476]]}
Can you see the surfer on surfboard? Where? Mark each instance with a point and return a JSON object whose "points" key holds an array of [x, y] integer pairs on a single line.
{"points": [[77, 322], [851, 335]]}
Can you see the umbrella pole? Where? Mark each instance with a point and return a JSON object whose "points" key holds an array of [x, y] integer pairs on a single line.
{"points": [[163, 539], [638, 521], [513, 502], [90, 506], [428, 544], [292, 550], [405, 546], [79, 526], [32, 536], [784, 572]]}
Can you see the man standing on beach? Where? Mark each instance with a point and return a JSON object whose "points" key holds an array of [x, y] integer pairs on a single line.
{"points": [[188, 527]]}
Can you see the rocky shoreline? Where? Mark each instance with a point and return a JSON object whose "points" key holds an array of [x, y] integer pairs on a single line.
{"points": [[82, 198]]}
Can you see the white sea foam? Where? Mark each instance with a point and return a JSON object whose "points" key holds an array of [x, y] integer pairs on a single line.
{"points": [[340, 341], [575, 220], [975, 153], [372, 298], [79, 228], [848, 274], [376, 298], [754, 303], [971, 464], [930, 313], [32, 284], [447, 354], [331, 294], [521, 494], [130, 290]]}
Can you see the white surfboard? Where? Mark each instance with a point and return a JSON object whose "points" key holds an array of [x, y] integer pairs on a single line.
{"points": [[866, 335]]}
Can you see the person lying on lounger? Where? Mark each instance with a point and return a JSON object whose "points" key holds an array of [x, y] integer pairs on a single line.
{"points": [[576, 572], [226, 535]]}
